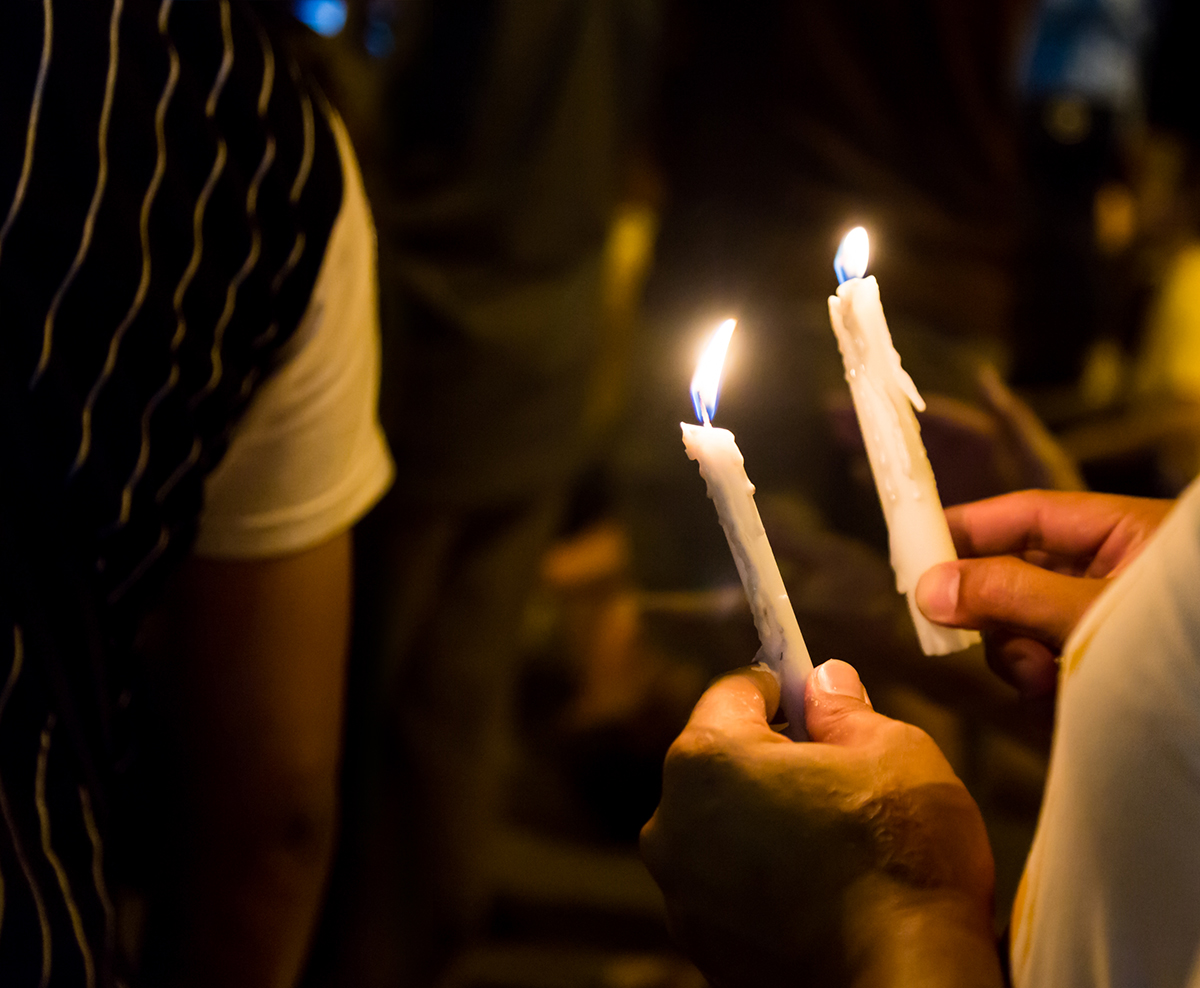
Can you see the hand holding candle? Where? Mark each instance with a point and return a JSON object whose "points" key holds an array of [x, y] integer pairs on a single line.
{"points": [[721, 466], [884, 396]]}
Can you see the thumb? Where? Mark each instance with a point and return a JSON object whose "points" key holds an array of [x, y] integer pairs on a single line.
{"points": [[836, 706], [1003, 593]]}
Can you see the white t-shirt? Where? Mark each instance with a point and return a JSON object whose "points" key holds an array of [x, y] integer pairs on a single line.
{"points": [[1111, 891], [308, 458]]}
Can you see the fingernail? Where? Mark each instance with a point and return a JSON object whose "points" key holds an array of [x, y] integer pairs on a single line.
{"points": [[937, 592], [839, 677]]}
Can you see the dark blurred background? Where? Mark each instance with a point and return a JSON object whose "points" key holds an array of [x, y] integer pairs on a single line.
{"points": [[569, 195]]}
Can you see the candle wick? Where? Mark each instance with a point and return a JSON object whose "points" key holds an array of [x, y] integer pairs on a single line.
{"points": [[704, 415]]}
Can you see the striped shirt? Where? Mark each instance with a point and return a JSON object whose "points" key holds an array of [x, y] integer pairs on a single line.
{"points": [[167, 188]]}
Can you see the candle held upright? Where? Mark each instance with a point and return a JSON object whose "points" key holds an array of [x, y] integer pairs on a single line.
{"points": [[884, 398], [722, 467]]}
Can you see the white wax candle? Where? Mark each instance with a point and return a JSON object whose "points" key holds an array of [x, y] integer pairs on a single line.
{"points": [[884, 396], [722, 467]]}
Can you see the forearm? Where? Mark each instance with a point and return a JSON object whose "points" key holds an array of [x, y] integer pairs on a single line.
{"points": [[250, 891], [251, 683], [898, 937]]}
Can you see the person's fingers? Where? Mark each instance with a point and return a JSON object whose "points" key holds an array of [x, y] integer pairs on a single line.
{"points": [[743, 700], [1004, 593], [1059, 523], [734, 710], [1029, 665], [836, 707]]}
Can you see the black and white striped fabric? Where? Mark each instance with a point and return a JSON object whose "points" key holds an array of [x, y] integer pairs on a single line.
{"points": [[167, 188]]}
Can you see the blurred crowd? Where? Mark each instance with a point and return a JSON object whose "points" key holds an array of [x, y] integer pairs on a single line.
{"points": [[568, 197]]}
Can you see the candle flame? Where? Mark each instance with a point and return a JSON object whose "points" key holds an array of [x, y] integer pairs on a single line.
{"points": [[706, 382], [852, 255]]}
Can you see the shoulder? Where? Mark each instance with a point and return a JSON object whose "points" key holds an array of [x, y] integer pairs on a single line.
{"points": [[309, 457]]}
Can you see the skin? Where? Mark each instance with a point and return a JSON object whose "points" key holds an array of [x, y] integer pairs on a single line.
{"points": [[249, 668], [1032, 563], [857, 859]]}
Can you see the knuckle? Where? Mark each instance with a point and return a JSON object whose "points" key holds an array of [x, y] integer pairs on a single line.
{"points": [[998, 660], [989, 588], [696, 750], [907, 737], [702, 762], [905, 750]]}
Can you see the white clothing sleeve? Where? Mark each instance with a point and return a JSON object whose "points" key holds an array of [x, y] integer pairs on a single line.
{"points": [[1111, 892], [309, 458]]}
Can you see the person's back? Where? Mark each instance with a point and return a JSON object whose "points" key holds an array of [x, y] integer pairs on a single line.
{"points": [[168, 190]]}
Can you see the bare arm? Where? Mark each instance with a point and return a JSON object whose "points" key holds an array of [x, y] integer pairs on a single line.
{"points": [[250, 672]]}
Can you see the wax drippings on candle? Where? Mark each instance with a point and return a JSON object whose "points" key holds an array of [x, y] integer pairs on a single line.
{"points": [[885, 401], [904, 380], [873, 344], [887, 433], [722, 469]]}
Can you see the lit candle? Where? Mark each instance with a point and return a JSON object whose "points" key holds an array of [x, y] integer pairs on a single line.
{"points": [[721, 466], [884, 397]]}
